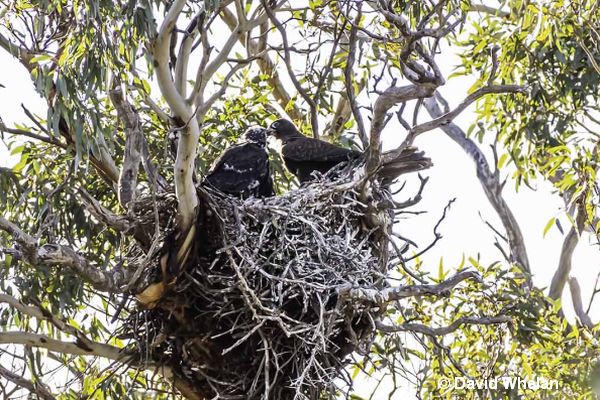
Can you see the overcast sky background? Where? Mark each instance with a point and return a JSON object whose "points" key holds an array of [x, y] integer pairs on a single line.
{"points": [[452, 176]]}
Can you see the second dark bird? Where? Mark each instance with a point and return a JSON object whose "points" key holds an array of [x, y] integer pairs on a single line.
{"points": [[303, 155], [243, 169]]}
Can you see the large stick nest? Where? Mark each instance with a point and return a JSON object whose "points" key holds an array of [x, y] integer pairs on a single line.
{"points": [[253, 311]]}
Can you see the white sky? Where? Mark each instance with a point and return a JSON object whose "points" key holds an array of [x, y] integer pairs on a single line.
{"points": [[453, 175]]}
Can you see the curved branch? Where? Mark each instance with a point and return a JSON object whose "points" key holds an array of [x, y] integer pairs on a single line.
{"points": [[491, 185], [35, 388], [185, 49], [189, 132], [448, 117], [561, 275], [161, 62], [386, 100], [584, 318]]}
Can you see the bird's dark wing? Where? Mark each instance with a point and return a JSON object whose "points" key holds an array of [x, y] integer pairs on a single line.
{"points": [[241, 171], [231, 153], [310, 149], [266, 187]]}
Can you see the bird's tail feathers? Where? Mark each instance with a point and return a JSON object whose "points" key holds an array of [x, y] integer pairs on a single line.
{"points": [[395, 163]]}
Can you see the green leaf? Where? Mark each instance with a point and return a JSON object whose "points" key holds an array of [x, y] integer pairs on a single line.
{"points": [[548, 225]]}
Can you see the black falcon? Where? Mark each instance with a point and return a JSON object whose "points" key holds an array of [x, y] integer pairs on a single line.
{"points": [[303, 155], [243, 169]]}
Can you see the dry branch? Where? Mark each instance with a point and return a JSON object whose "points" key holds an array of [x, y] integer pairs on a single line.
{"points": [[136, 150], [448, 117], [491, 185], [386, 100], [133, 143], [55, 254]]}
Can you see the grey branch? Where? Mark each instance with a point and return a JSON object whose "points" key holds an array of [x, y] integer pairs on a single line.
{"points": [[491, 185], [133, 138], [105, 216], [446, 118], [107, 281], [37, 389], [348, 77], [386, 100], [396, 293], [445, 330], [584, 318], [561, 275], [55, 254], [136, 150]]}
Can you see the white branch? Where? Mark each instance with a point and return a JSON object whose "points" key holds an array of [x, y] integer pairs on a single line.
{"points": [[190, 132], [75, 348], [161, 63]]}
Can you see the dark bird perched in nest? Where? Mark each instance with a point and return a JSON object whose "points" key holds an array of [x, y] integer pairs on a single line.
{"points": [[243, 169], [303, 155]]}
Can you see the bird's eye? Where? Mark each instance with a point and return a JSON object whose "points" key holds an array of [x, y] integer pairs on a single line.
{"points": [[274, 125]]}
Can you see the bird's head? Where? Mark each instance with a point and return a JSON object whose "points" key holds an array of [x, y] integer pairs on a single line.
{"points": [[282, 129], [256, 134]]}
